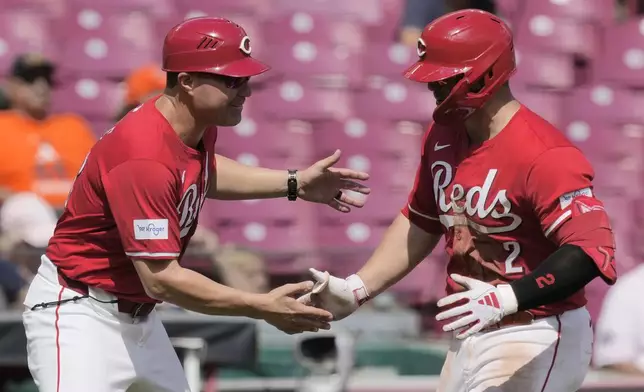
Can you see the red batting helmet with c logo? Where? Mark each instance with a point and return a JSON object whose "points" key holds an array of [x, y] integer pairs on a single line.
{"points": [[471, 44], [212, 45]]}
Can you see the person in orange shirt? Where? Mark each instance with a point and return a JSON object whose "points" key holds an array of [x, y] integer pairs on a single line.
{"points": [[141, 84], [40, 152]]}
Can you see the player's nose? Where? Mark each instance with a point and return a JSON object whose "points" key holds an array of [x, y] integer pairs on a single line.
{"points": [[245, 90]]}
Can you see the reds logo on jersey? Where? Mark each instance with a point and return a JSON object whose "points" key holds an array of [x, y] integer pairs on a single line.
{"points": [[476, 202], [191, 201]]}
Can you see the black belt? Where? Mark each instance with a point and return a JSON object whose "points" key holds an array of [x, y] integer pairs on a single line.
{"points": [[134, 309]]}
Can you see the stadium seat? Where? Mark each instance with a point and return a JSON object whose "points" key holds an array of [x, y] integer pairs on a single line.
{"points": [[578, 10], [546, 70], [297, 99], [390, 154], [270, 139], [390, 139], [347, 244], [50, 9], [94, 99], [23, 31], [617, 179], [104, 45], [603, 103], [606, 143], [388, 60], [275, 210], [355, 10], [543, 32], [153, 8], [622, 61], [286, 247], [320, 29], [193, 8], [399, 100], [325, 64], [286, 237]]}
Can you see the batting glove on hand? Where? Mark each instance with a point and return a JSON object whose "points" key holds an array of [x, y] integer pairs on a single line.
{"points": [[486, 305], [341, 297]]}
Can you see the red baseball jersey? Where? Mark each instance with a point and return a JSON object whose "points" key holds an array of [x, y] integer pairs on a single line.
{"points": [[137, 195], [501, 205]]}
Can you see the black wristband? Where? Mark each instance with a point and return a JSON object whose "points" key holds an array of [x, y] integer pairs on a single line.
{"points": [[559, 276], [291, 185]]}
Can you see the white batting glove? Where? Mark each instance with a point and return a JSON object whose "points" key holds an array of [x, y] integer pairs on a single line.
{"points": [[486, 305], [339, 296]]}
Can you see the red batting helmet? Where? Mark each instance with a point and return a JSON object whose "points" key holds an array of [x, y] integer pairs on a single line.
{"points": [[470, 43], [212, 45]]}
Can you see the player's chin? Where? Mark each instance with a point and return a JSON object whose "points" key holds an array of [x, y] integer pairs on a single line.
{"points": [[233, 117]]}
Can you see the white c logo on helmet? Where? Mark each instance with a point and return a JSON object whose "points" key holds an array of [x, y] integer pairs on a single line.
{"points": [[244, 45], [421, 48]]}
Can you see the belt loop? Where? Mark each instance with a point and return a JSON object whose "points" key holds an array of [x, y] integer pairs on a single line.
{"points": [[137, 309]]}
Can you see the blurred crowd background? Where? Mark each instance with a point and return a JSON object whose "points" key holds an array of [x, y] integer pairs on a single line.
{"points": [[72, 68]]}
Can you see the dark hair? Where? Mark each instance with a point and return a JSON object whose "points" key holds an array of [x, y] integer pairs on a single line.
{"points": [[171, 79]]}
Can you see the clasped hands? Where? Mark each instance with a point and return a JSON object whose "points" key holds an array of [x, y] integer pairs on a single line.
{"points": [[327, 299]]}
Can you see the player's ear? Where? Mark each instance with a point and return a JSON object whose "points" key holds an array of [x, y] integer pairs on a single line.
{"points": [[186, 82]]}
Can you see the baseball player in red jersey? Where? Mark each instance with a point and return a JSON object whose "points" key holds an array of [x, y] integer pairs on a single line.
{"points": [[89, 318], [515, 203]]}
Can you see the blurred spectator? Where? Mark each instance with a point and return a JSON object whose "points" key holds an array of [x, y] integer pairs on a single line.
{"points": [[141, 84], [418, 13], [242, 269], [13, 286], [204, 241], [5, 104], [27, 223], [619, 341], [40, 152]]}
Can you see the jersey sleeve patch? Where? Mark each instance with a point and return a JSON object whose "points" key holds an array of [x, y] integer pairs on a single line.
{"points": [[150, 229], [566, 199]]}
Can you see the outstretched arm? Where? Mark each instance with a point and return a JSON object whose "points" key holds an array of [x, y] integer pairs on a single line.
{"points": [[319, 183], [236, 181]]}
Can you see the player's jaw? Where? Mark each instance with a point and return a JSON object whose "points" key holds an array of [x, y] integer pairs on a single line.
{"points": [[222, 101], [442, 88], [235, 105]]}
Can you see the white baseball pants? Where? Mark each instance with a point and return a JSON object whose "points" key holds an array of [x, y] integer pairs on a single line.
{"points": [[549, 355], [89, 346]]}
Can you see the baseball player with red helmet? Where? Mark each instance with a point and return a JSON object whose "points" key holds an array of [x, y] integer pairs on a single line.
{"points": [[89, 318], [523, 228]]}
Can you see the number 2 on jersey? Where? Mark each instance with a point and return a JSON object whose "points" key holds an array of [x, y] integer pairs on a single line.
{"points": [[514, 248]]}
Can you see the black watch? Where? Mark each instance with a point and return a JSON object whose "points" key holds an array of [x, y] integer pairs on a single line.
{"points": [[291, 185]]}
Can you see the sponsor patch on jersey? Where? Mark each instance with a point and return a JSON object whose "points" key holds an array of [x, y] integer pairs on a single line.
{"points": [[150, 229], [566, 200]]}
